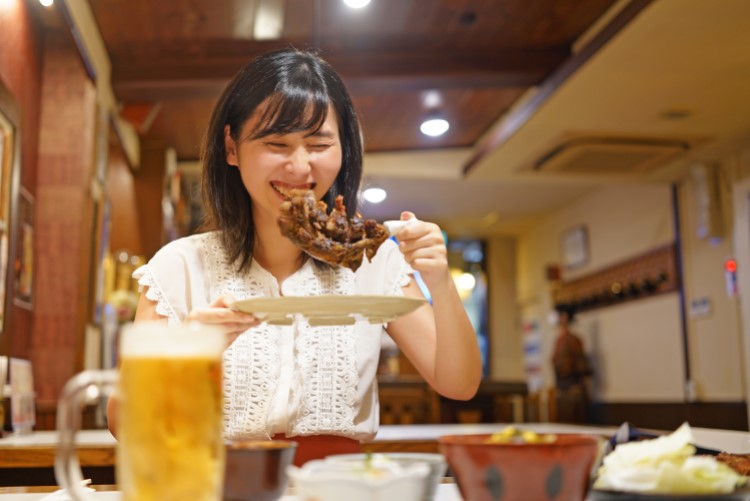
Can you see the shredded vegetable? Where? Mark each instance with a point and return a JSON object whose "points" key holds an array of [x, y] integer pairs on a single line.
{"points": [[666, 465]]}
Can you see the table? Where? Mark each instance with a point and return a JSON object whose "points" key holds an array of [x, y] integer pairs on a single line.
{"points": [[445, 492], [29, 460]]}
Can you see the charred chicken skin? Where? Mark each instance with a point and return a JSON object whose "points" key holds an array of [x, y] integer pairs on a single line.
{"points": [[329, 237]]}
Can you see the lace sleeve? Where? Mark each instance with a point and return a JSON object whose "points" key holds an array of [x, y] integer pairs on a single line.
{"points": [[403, 277], [388, 272], [175, 279], [154, 293]]}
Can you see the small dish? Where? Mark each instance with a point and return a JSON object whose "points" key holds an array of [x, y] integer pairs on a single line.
{"points": [[323, 480], [436, 462], [256, 470]]}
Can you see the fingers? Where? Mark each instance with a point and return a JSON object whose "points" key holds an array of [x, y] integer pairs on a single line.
{"points": [[406, 215], [423, 247], [421, 235], [219, 314]]}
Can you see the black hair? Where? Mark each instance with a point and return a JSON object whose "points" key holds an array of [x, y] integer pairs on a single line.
{"points": [[298, 87], [568, 309]]}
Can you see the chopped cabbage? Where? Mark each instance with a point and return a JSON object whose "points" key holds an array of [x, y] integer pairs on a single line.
{"points": [[666, 465]]}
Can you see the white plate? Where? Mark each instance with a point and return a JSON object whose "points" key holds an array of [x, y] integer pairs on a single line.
{"points": [[329, 309]]}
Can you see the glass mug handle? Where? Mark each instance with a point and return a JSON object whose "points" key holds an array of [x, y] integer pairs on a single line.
{"points": [[82, 388]]}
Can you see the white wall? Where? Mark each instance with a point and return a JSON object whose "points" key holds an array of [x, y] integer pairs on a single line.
{"points": [[505, 362], [637, 346], [714, 338]]}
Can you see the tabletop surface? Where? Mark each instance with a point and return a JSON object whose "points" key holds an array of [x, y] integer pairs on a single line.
{"points": [[725, 440], [445, 492]]}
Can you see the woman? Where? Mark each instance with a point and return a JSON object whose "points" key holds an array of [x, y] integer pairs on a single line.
{"points": [[286, 121]]}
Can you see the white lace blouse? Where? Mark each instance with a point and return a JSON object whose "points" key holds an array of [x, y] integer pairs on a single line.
{"points": [[298, 379]]}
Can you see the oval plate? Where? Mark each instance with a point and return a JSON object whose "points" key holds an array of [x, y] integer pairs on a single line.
{"points": [[329, 309]]}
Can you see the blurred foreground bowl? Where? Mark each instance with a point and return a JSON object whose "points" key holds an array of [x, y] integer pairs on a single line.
{"points": [[256, 470], [323, 480], [558, 470], [436, 462]]}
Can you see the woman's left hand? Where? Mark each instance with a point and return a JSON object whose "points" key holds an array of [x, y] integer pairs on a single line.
{"points": [[423, 246]]}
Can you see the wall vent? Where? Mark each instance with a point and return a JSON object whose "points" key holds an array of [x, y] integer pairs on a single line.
{"points": [[610, 155]]}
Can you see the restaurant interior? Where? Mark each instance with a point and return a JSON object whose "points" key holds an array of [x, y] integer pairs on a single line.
{"points": [[597, 156]]}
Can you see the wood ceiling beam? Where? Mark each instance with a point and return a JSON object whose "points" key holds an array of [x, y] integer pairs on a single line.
{"points": [[363, 71]]}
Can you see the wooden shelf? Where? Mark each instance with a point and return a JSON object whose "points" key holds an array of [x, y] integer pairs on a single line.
{"points": [[646, 275]]}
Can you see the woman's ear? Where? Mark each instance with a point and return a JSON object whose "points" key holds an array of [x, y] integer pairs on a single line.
{"points": [[230, 147]]}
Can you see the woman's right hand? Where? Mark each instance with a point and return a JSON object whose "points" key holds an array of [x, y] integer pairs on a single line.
{"points": [[219, 313]]}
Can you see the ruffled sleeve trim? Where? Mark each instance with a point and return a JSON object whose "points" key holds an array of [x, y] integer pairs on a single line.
{"points": [[154, 293], [402, 279]]}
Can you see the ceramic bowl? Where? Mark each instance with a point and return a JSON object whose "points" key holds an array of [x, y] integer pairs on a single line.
{"points": [[323, 480], [257, 470], [436, 462], [556, 470]]}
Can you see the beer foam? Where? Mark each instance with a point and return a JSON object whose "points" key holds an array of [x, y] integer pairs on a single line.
{"points": [[157, 339]]}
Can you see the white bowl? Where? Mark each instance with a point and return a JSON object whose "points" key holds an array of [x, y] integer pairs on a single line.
{"points": [[436, 462], [324, 480]]}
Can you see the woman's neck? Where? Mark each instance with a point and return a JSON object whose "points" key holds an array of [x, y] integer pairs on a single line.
{"points": [[274, 252]]}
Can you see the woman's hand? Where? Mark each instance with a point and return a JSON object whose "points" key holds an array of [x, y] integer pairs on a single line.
{"points": [[218, 313], [423, 246], [439, 341]]}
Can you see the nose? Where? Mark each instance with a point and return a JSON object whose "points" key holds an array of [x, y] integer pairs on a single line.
{"points": [[299, 161]]}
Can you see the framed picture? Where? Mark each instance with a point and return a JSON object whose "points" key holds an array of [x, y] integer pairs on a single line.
{"points": [[9, 180], [23, 267], [574, 245]]}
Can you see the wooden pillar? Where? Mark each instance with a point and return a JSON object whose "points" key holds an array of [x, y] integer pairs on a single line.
{"points": [[64, 222], [149, 190]]}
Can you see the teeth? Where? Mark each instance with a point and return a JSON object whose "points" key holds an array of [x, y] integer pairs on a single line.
{"points": [[284, 190], [279, 189]]}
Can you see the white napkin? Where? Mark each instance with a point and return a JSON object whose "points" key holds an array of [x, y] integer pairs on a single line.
{"points": [[394, 226], [62, 494]]}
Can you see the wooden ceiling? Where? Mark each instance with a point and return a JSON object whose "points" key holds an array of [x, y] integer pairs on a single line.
{"points": [[170, 59]]}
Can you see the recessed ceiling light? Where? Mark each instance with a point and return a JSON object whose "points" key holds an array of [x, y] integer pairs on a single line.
{"points": [[356, 4], [432, 99], [46, 3], [434, 127], [374, 195]]}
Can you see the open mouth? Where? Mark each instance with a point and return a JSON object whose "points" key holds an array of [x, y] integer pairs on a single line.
{"points": [[283, 188]]}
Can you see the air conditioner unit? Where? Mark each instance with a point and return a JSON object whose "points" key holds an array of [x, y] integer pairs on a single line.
{"points": [[610, 155]]}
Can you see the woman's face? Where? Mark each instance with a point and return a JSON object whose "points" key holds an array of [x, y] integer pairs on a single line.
{"points": [[274, 164]]}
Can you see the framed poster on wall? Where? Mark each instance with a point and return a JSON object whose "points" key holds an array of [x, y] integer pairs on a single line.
{"points": [[23, 267], [9, 158], [574, 245]]}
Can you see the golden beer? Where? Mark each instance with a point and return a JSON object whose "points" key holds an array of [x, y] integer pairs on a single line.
{"points": [[169, 443], [169, 414], [169, 425]]}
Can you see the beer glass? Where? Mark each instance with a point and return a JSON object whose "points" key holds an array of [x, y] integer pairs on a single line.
{"points": [[169, 414]]}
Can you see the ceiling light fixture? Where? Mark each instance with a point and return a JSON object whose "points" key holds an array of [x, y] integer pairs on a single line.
{"points": [[46, 3], [432, 99], [356, 4], [374, 195], [434, 127]]}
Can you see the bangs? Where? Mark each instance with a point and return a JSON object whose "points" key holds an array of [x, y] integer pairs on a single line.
{"points": [[291, 111]]}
